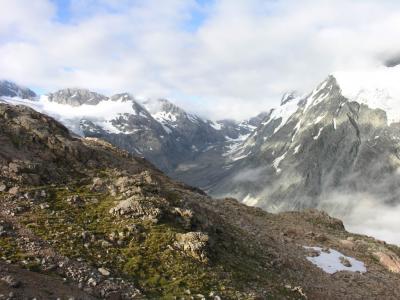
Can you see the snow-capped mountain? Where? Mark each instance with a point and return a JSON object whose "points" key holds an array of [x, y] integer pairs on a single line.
{"points": [[340, 141], [155, 128], [10, 89], [336, 148]]}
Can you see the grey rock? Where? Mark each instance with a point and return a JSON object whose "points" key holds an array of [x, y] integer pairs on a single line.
{"points": [[11, 281], [3, 187], [140, 208], [104, 271], [193, 243], [76, 97], [10, 89]]}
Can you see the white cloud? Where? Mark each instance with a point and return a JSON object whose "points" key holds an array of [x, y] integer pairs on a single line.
{"points": [[364, 213], [243, 56]]}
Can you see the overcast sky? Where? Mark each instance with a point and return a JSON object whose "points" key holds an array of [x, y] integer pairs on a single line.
{"points": [[228, 58]]}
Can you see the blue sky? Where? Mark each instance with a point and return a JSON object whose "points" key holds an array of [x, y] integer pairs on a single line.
{"points": [[217, 58], [65, 12]]}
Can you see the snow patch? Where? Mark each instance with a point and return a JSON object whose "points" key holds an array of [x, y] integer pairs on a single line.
{"points": [[250, 201], [331, 261], [296, 149], [101, 114], [216, 126], [277, 161], [376, 88], [319, 118], [284, 112], [318, 134], [164, 117]]}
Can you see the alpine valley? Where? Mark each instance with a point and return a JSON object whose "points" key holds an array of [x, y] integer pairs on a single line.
{"points": [[332, 148], [82, 219]]}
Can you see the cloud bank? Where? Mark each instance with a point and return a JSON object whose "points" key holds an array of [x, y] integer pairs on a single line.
{"points": [[365, 213], [206, 55]]}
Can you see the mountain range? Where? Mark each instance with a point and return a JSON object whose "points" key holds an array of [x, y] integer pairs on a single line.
{"points": [[82, 219], [332, 148]]}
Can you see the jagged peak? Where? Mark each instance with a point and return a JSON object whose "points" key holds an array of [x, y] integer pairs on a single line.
{"points": [[11, 89], [163, 109], [76, 97], [377, 88], [123, 97], [288, 96]]}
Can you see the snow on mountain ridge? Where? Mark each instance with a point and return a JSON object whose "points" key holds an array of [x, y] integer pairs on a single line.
{"points": [[378, 88]]}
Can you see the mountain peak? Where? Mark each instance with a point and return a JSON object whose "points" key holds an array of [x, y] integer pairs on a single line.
{"points": [[377, 88], [76, 97], [122, 97], [10, 89], [288, 96]]}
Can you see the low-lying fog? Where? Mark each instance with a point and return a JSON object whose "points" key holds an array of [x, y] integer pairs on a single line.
{"points": [[362, 213]]}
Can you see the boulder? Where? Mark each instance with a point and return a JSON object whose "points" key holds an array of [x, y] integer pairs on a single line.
{"points": [[11, 281], [137, 207], [14, 190], [104, 271], [3, 187], [389, 260], [98, 185], [76, 200], [193, 243]]}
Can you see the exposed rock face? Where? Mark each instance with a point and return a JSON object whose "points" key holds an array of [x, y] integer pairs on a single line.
{"points": [[314, 149], [10, 89], [140, 208], [389, 260], [193, 243], [76, 97]]}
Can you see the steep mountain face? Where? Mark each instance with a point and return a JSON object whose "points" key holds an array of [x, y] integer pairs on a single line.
{"points": [[10, 89], [315, 147], [80, 218]]}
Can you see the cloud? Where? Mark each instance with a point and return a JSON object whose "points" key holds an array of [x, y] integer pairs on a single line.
{"points": [[249, 174], [365, 213], [205, 55]]}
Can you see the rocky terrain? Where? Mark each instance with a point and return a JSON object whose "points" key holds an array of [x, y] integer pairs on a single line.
{"points": [[311, 149], [335, 148], [80, 219]]}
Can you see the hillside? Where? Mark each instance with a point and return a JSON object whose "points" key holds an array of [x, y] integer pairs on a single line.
{"points": [[81, 218]]}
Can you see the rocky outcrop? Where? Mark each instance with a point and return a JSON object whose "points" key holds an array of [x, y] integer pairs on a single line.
{"points": [[139, 207], [193, 243], [389, 260]]}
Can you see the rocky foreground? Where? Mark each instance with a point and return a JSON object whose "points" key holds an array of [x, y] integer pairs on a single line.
{"points": [[80, 219]]}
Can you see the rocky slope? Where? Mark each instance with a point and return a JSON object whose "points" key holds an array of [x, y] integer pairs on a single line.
{"points": [[80, 218]]}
